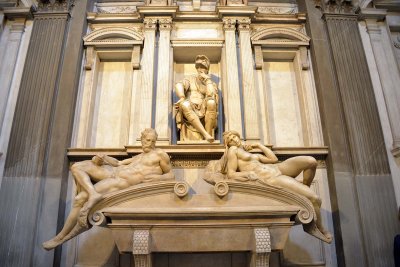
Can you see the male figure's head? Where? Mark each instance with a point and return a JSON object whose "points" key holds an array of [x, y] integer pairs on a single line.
{"points": [[202, 64], [231, 138], [148, 139]]}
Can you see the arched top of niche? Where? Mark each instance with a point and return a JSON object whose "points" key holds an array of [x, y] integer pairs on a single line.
{"points": [[114, 37], [280, 37]]}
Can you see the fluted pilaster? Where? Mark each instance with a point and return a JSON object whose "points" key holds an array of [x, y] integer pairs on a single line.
{"points": [[360, 110], [163, 99], [251, 107], [232, 103], [29, 132], [147, 67]]}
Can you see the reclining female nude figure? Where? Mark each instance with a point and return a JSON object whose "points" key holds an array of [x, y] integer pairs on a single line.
{"points": [[111, 175], [238, 164]]}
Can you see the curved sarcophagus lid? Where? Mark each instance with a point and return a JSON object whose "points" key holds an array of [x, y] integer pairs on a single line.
{"points": [[173, 210]]}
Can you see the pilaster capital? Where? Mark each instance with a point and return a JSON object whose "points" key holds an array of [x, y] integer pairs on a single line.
{"points": [[165, 24], [335, 6], [229, 23], [244, 24], [54, 6], [150, 23]]}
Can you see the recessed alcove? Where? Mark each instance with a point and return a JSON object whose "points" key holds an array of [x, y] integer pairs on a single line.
{"points": [[184, 54]]}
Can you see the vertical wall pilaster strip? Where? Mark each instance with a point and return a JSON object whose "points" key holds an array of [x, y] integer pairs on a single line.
{"points": [[368, 151], [7, 67], [232, 95], [365, 134], [7, 82], [163, 94], [147, 67], [28, 134], [389, 77], [251, 107], [29, 139]]}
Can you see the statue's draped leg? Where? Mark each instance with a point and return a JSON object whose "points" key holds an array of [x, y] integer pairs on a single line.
{"points": [[210, 121]]}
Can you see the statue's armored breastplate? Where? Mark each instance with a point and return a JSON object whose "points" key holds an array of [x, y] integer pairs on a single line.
{"points": [[197, 90]]}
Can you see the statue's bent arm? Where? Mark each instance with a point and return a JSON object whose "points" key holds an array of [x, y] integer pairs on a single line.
{"points": [[269, 157], [180, 90]]}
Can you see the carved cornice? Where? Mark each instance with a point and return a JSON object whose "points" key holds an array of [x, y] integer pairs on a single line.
{"points": [[17, 12], [335, 6]]}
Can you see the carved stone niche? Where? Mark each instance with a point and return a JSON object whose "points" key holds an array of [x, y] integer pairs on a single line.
{"points": [[167, 217], [281, 37], [115, 43]]}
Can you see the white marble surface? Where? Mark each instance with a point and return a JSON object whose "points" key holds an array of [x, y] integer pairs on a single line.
{"points": [[382, 109], [284, 110], [111, 113]]}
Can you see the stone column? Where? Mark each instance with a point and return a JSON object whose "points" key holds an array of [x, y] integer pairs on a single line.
{"points": [[388, 71], [232, 103], [147, 67], [163, 94], [251, 107]]}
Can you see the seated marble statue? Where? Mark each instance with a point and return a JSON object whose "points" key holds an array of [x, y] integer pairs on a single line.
{"points": [[240, 165], [196, 116], [111, 175]]}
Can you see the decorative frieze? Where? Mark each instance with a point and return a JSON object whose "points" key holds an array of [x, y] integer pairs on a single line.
{"points": [[115, 8], [277, 10]]}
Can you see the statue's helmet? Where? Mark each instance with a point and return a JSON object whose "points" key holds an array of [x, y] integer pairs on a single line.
{"points": [[202, 60]]}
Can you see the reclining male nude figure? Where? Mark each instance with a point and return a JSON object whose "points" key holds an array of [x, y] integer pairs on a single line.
{"points": [[111, 175]]}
